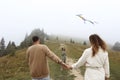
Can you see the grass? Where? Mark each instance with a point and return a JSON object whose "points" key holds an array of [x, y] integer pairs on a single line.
{"points": [[56, 72], [114, 58], [16, 68]]}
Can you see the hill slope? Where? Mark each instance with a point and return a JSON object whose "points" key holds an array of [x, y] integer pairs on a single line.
{"points": [[16, 68]]}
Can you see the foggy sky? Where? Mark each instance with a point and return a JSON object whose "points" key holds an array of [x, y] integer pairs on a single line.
{"points": [[18, 17]]}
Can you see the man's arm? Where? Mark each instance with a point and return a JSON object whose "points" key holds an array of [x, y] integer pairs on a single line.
{"points": [[54, 57]]}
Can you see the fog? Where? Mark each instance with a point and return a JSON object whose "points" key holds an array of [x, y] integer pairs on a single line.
{"points": [[58, 17]]}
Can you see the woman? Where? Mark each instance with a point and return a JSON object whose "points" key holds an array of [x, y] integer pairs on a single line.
{"points": [[95, 59]]}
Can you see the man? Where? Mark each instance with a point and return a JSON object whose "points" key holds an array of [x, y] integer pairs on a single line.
{"points": [[37, 59]]}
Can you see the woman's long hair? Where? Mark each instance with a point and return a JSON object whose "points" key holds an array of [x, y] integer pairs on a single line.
{"points": [[96, 42]]}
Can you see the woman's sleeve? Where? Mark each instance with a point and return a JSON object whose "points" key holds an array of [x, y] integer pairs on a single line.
{"points": [[106, 67], [81, 61]]}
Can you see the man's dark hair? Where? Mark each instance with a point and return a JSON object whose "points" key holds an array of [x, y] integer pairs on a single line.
{"points": [[35, 38]]}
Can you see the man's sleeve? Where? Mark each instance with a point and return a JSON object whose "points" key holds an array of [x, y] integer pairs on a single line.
{"points": [[52, 55]]}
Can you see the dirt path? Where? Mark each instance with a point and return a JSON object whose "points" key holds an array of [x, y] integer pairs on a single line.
{"points": [[75, 72]]}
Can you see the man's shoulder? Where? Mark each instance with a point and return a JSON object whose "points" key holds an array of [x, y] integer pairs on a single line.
{"points": [[43, 45], [29, 48], [37, 45]]}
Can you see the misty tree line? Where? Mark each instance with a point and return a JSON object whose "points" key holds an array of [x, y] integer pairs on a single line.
{"points": [[116, 46], [11, 46], [28, 38]]}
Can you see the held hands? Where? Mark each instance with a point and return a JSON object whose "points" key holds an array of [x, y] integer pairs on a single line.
{"points": [[66, 66]]}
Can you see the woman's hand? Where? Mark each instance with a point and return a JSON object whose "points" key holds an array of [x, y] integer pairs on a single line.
{"points": [[66, 66]]}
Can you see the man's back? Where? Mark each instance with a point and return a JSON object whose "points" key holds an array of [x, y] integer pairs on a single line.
{"points": [[36, 57], [37, 61]]}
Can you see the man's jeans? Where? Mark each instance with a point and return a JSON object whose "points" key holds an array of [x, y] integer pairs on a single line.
{"points": [[45, 78]]}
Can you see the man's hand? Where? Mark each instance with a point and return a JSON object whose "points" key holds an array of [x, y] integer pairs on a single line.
{"points": [[66, 66], [107, 78]]}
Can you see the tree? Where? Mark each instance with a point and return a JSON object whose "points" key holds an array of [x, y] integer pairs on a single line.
{"points": [[11, 48], [26, 41], [2, 47], [57, 38], [116, 46], [8, 46], [42, 36], [2, 43], [72, 41], [28, 38], [13, 45], [84, 43]]}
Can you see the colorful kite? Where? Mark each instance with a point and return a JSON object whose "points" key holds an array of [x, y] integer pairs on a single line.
{"points": [[84, 19]]}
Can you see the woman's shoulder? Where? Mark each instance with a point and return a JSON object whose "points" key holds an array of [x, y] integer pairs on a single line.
{"points": [[102, 51], [88, 49]]}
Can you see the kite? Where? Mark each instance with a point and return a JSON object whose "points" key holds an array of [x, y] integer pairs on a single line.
{"points": [[84, 19]]}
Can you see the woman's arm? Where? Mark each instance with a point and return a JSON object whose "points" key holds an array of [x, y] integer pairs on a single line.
{"points": [[81, 61], [106, 67]]}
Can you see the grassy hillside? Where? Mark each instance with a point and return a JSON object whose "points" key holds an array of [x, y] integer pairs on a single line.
{"points": [[114, 58], [16, 68], [55, 71]]}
